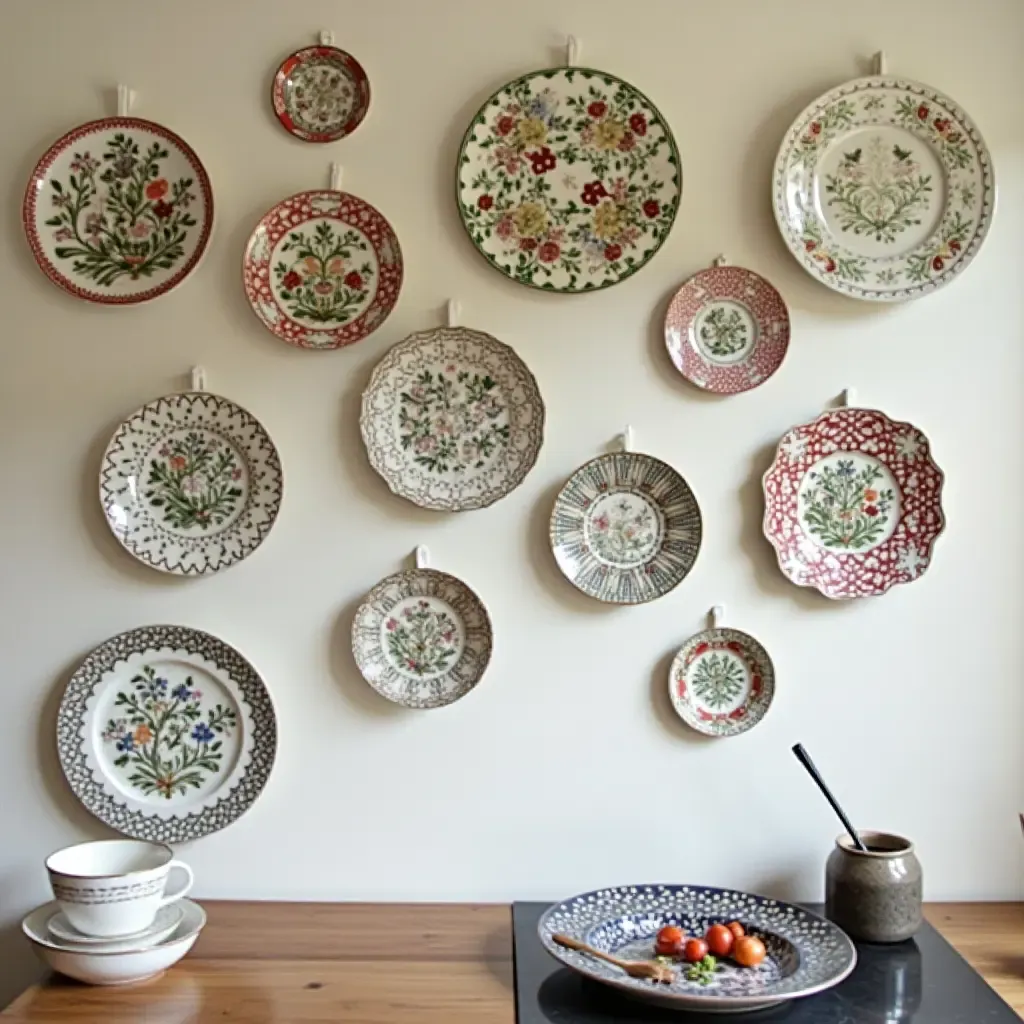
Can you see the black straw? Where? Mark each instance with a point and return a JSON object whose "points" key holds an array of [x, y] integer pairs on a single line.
{"points": [[805, 759]]}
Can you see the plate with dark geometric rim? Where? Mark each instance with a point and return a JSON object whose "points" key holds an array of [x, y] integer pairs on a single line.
{"points": [[626, 528], [806, 953], [166, 733]]}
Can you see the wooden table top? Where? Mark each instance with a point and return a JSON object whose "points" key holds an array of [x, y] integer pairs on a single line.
{"points": [[300, 963]]}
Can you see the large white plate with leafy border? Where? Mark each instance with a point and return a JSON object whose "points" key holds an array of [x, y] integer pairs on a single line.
{"points": [[166, 733], [452, 419], [191, 483], [883, 189], [568, 180], [422, 638]]}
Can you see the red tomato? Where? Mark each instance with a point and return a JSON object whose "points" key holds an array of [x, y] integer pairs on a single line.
{"points": [[748, 951], [695, 950], [669, 941], [720, 940], [736, 928]]}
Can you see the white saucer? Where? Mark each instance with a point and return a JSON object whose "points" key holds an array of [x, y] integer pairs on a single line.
{"points": [[167, 919]]}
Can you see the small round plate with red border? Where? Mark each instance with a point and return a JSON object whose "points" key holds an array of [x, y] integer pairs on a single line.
{"points": [[721, 682], [853, 503], [321, 94], [727, 330], [322, 269], [118, 211]]}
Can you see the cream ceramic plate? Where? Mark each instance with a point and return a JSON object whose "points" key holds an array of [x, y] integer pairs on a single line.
{"points": [[422, 638], [883, 189], [166, 733], [452, 419], [321, 94]]}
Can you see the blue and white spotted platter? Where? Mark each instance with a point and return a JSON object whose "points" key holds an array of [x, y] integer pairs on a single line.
{"points": [[806, 953]]}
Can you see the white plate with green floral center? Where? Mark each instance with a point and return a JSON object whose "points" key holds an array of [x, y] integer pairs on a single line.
{"points": [[422, 638], [118, 211], [568, 180], [452, 419], [191, 484], [853, 503], [322, 269], [883, 189], [721, 682], [625, 528], [166, 733]]}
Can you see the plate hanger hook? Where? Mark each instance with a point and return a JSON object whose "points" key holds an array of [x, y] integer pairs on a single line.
{"points": [[717, 616], [125, 98], [719, 260], [572, 51], [881, 64], [326, 37], [454, 312], [849, 397], [422, 556], [335, 178], [627, 438], [198, 378]]}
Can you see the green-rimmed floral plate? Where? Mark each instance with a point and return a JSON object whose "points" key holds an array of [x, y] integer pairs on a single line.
{"points": [[568, 180], [625, 528], [166, 733], [883, 189], [422, 638]]}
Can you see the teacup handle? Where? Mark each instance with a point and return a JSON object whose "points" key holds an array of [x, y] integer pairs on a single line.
{"points": [[185, 888]]}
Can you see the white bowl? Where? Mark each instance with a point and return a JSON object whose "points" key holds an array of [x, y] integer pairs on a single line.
{"points": [[117, 967]]}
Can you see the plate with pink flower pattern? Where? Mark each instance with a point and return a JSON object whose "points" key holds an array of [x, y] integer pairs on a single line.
{"points": [[191, 484], [322, 269], [568, 180], [727, 330], [166, 733], [721, 682], [853, 503], [118, 211], [422, 638]]}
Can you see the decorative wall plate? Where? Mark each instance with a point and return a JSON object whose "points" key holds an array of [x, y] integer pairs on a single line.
{"points": [[721, 682], [321, 94], [727, 330], [166, 733], [190, 484], [568, 179], [118, 211], [883, 189], [625, 528], [452, 419], [806, 953], [322, 269], [853, 503], [422, 638]]}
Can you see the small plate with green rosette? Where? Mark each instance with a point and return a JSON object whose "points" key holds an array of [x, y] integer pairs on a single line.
{"points": [[166, 733], [191, 484]]}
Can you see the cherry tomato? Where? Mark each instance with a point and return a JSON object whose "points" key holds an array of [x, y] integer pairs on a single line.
{"points": [[736, 928], [669, 941], [695, 950], [720, 940], [748, 951]]}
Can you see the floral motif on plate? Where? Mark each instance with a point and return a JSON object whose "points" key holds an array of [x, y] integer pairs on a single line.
{"points": [[321, 94], [322, 269], [166, 733], [422, 638], [118, 211], [727, 330], [568, 180], [721, 682], [452, 419], [883, 189], [191, 484], [625, 528], [853, 503]]}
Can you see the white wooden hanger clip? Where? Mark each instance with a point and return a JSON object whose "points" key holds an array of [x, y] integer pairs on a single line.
{"points": [[125, 98], [326, 37], [422, 556], [717, 616], [335, 180], [454, 312], [881, 64], [572, 52], [198, 378]]}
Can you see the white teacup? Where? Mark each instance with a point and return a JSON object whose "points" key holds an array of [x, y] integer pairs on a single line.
{"points": [[114, 887]]}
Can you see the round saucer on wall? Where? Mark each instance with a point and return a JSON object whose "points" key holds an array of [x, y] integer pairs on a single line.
{"points": [[727, 330]]}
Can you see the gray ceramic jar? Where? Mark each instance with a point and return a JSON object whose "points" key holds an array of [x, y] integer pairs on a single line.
{"points": [[874, 896]]}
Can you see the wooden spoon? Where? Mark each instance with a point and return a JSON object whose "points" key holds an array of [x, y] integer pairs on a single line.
{"points": [[647, 969]]}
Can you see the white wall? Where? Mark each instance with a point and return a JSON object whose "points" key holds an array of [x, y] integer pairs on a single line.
{"points": [[565, 768]]}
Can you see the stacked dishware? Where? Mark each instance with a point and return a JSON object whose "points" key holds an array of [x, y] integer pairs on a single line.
{"points": [[112, 921]]}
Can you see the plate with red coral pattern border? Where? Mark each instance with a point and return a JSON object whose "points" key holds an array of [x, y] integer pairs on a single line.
{"points": [[853, 503], [118, 211], [727, 329], [322, 269]]}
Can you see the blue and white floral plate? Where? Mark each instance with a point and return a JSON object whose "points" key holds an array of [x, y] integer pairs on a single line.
{"points": [[806, 953]]}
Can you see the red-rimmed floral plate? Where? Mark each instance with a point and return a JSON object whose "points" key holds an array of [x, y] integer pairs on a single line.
{"points": [[321, 94], [118, 211], [853, 503], [322, 269], [568, 179], [727, 330], [721, 682]]}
